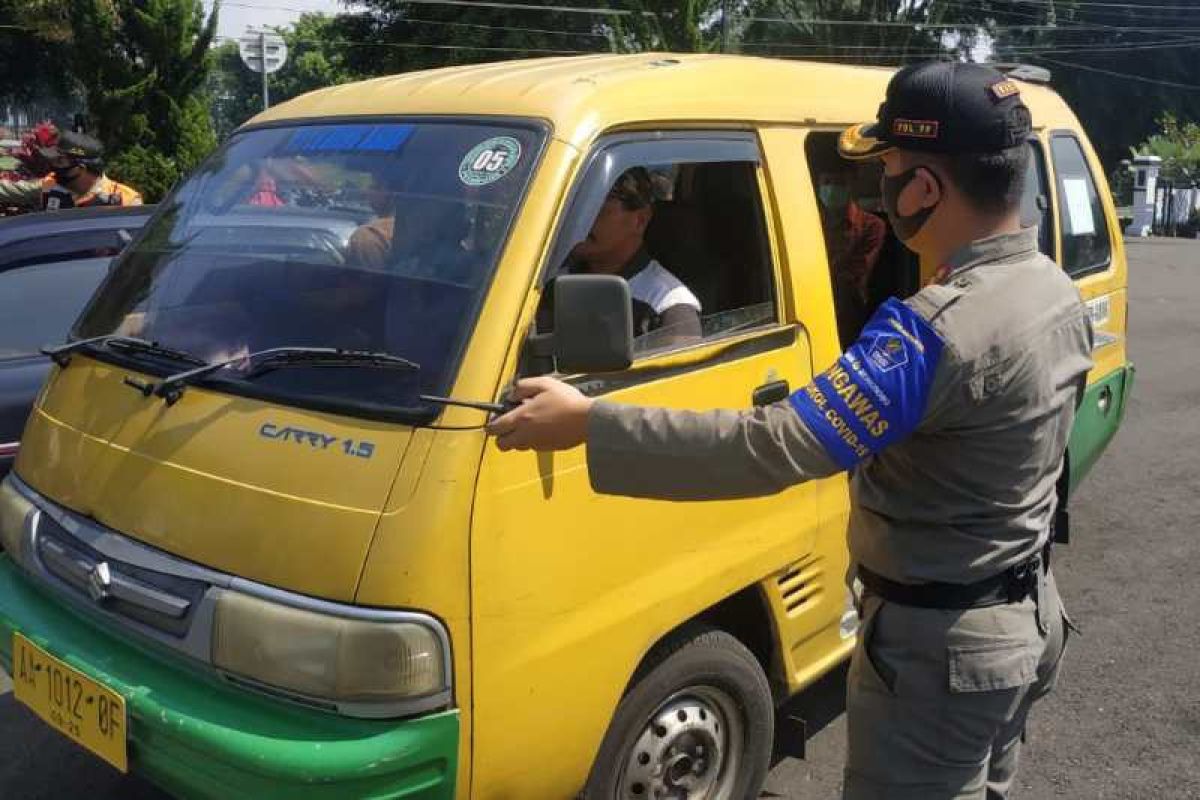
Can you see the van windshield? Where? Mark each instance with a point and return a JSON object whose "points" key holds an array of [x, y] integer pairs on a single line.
{"points": [[376, 237]]}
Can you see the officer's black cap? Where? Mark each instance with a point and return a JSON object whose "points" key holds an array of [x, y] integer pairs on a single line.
{"points": [[943, 107], [74, 148]]}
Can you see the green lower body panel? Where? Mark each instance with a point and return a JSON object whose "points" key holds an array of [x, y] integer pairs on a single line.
{"points": [[1097, 421], [196, 736]]}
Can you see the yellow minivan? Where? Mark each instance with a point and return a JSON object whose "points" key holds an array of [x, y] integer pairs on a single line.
{"points": [[253, 549]]}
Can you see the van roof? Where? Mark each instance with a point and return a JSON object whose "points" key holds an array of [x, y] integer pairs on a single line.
{"points": [[583, 95]]}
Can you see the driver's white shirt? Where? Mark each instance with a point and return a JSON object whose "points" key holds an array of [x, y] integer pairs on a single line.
{"points": [[658, 288]]}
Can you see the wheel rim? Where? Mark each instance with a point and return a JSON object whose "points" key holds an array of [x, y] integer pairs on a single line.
{"points": [[690, 749]]}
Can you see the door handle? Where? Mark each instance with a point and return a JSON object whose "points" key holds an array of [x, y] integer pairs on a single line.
{"points": [[771, 392], [1104, 401]]}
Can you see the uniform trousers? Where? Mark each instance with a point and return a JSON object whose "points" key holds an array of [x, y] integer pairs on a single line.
{"points": [[937, 699]]}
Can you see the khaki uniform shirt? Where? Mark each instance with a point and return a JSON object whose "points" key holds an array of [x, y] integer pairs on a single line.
{"points": [[40, 192], [953, 411]]}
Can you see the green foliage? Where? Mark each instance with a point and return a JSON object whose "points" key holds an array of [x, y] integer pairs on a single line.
{"points": [[682, 26], [142, 65], [396, 36], [1120, 182], [146, 169], [34, 33], [1178, 145], [1116, 112], [837, 30]]}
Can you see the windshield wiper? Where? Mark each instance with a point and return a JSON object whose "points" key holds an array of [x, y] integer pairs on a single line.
{"points": [[491, 408], [62, 353], [263, 361]]}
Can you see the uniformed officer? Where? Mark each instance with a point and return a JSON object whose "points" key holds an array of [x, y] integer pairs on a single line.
{"points": [[952, 410], [78, 179]]}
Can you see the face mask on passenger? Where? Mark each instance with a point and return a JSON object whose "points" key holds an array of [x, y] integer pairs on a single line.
{"points": [[833, 196], [906, 227]]}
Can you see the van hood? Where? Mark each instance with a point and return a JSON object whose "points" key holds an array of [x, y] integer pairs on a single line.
{"points": [[279, 495]]}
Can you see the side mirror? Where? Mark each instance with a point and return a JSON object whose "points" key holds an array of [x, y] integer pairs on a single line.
{"points": [[593, 325]]}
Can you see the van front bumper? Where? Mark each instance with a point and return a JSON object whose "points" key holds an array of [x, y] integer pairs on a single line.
{"points": [[197, 736]]}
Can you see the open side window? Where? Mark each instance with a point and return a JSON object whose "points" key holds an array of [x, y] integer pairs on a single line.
{"points": [[867, 262], [1036, 208], [681, 218]]}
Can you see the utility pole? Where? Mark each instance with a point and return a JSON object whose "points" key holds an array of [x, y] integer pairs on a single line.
{"points": [[262, 44], [265, 52], [724, 26]]}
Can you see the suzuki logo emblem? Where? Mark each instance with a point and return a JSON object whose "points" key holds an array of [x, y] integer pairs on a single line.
{"points": [[99, 580]]}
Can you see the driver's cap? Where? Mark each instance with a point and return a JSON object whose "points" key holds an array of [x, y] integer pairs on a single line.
{"points": [[944, 107]]}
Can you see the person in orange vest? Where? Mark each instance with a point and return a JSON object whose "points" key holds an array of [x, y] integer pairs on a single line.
{"points": [[77, 180]]}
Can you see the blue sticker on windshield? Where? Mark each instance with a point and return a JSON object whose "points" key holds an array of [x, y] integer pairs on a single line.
{"points": [[349, 138], [876, 392]]}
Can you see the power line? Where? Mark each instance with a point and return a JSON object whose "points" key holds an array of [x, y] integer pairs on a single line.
{"points": [[501, 27], [1016, 49], [609, 12], [1125, 75], [1134, 6], [825, 51], [424, 46], [796, 21]]}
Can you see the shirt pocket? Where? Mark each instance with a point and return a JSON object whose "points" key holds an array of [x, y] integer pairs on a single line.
{"points": [[990, 374], [992, 666]]}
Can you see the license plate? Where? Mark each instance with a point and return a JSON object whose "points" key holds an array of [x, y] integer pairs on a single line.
{"points": [[70, 702]]}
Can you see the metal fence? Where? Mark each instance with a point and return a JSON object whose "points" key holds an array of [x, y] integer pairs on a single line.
{"points": [[1176, 209]]}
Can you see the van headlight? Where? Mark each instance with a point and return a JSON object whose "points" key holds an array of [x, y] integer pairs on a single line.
{"points": [[363, 666], [14, 516]]}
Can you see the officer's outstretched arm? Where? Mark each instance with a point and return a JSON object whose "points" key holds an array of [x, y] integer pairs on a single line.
{"points": [[876, 393]]}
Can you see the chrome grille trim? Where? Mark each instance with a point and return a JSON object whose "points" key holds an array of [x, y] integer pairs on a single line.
{"points": [[196, 642]]}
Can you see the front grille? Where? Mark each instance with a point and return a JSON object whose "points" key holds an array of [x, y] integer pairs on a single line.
{"points": [[800, 585], [163, 602]]}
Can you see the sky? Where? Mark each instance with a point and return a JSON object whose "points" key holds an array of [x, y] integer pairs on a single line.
{"points": [[236, 15]]}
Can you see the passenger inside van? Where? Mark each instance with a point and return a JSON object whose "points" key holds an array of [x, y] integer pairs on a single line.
{"points": [[867, 263], [371, 243], [853, 240], [662, 305]]}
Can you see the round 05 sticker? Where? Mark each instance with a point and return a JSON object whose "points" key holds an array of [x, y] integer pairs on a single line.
{"points": [[489, 161]]}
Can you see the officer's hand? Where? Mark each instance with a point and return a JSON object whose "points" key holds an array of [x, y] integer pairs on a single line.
{"points": [[552, 416]]}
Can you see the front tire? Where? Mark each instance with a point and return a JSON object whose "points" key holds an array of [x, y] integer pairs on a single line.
{"points": [[697, 723]]}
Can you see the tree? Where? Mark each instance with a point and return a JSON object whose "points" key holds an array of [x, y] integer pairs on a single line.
{"points": [[1119, 67], [33, 34], [142, 65], [684, 26], [1178, 145], [317, 57], [395, 36], [874, 32]]}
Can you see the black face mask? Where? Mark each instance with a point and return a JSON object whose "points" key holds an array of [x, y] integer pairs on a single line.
{"points": [[906, 227]]}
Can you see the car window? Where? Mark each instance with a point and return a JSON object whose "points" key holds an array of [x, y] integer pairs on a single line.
{"points": [[867, 263], [687, 232], [1035, 200], [1085, 242], [39, 303], [70, 246]]}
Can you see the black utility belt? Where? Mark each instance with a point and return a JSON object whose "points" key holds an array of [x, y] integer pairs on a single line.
{"points": [[1011, 586]]}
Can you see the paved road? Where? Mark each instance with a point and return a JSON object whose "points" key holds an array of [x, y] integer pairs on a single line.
{"points": [[1125, 721]]}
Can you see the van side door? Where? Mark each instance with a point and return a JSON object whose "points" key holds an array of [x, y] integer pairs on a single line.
{"points": [[570, 589]]}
